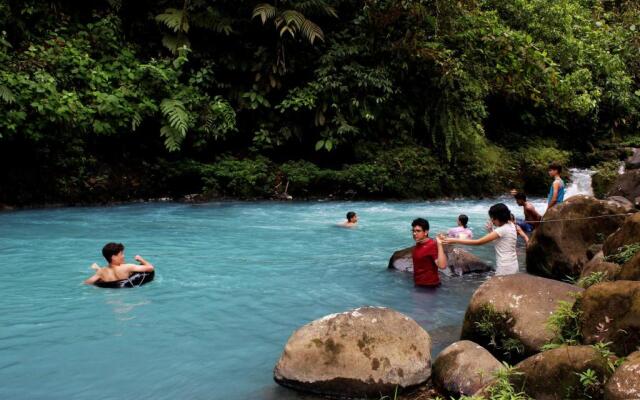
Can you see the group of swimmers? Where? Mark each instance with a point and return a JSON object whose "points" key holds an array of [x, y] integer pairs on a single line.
{"points": [[428, 254]]}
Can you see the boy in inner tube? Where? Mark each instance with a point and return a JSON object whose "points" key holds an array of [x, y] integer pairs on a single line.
{"points": [[116, 269]]}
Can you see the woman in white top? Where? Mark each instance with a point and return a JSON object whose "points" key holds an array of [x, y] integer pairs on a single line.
{"points": [[505, 237]]}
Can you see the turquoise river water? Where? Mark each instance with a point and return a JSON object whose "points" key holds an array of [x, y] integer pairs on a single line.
{"points": [[233, 281]]}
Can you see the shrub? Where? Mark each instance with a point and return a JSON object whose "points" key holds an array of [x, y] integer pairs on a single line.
{"points": [[534, 160], [605, 175]]}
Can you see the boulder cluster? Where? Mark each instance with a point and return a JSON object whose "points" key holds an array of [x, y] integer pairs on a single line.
{"points": [[567, 329]]}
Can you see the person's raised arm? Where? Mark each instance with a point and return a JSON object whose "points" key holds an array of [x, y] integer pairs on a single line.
{"points": [[522, 234], [490, 237], [441, 262], [556, 190], [144, 266]]}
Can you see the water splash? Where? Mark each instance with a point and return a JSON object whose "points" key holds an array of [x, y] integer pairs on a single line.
{"points": [[580, 182]]}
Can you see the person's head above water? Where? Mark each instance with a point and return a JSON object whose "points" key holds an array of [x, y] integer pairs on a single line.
{"points": [[420, 229], [555, 168], [352, 217], [499, 213], [521, 198], [463, 220], [112, 249]]}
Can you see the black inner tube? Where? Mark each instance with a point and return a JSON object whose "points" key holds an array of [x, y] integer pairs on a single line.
{"points": [[134, 280]]}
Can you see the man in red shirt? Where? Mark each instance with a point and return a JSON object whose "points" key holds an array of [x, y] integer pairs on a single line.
{"points": [[428, 255]]}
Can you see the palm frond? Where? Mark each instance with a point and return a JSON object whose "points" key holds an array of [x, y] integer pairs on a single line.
{"points": [[174, 19], [265, 11], [6, 95], [292, 17], [213, 21], [311, 31], [315, 7]]}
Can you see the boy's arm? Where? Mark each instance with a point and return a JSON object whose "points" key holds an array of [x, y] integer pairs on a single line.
{"points": [[95, 278], [473, 242], [144, 266], [441, 261]]}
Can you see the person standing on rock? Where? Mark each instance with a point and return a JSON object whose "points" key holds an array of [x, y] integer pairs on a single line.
{"points": [[531, 216], [556, 191], [428, 255], [505, 236]]}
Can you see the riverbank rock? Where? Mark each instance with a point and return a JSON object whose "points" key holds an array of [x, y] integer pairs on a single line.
{"points": [[365, 352], [628, 233], [464, 368], [553, 374], [598, 264], [624, 384], [633, 162], [559, 248], [611, 313], [624, 202], [630, 271], [508, 314], [627, 185], [459, 261]]}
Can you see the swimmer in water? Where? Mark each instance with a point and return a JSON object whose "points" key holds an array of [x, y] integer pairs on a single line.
{"points": [[352, 220], [116, 269]]}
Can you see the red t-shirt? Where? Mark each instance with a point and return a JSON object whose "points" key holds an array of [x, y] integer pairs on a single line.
{"points": [[425, 270]]}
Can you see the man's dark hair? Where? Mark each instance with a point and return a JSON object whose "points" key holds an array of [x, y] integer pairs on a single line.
{"points": [[421, 222], [500, 212], [520, 196], [556, 166], [463, 220], [350, 215], [111, 249]]}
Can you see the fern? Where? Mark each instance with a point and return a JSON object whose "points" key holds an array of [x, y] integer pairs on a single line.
{"points": [[174, 43], [6, 95], [174, 19], [265, 12], [176, 114], [212, 20], [220, 119], [316, 7], [172, 138]]}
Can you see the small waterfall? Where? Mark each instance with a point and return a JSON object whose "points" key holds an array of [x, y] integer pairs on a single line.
{"points": [[580, 182]]}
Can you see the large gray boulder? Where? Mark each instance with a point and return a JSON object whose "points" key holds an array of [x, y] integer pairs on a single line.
{"points": [[553, 374], [559, 247], [508, 314], [624, 384], [611, 313], [464, 368], [627, 185], [366, 352], [459, 261]]}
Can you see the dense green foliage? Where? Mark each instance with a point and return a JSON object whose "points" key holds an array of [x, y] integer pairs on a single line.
{"points": [[112, 100]]}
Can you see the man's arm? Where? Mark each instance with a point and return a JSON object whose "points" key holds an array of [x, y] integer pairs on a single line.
{"points": [[144, 266], [556, 189], [95, 278], [533, 213], [441, 262]]}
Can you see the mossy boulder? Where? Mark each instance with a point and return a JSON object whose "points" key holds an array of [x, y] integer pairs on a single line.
{"points": [[627, 185], [464, 367], [611, 313], [630, 271], [366, 352], [554, 374], [633, 162], [560, 247], [598, 264], [624, 384], [628, 233], [508, 314]]}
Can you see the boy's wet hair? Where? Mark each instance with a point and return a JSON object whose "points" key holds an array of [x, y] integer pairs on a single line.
{"points": [[556, 166], [111, 249], [421, 222], [463, 220], [520, 196], [350, 215], [500, 212]]}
